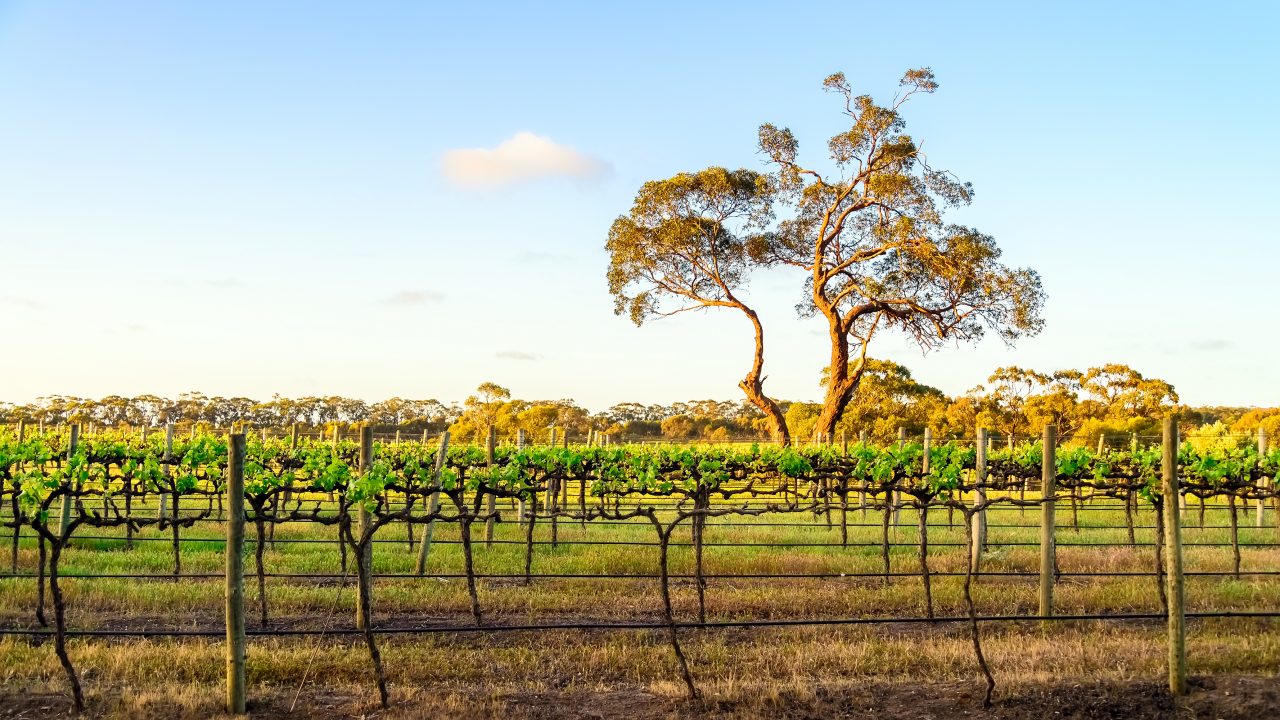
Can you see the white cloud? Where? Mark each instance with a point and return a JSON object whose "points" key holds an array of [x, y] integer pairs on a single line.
{"points": [[522, 157], [1211, 345], [517, 355], [410, 298], [22, 302]]}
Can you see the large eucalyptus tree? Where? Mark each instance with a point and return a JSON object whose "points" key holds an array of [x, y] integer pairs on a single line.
{"points": [[683, 247], [869, 234]]}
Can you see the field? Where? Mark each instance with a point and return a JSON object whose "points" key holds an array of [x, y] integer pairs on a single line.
{"points": [[867, 645]]}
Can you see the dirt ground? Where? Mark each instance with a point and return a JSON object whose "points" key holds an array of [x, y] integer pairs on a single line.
{"points": [[1245, 697]]}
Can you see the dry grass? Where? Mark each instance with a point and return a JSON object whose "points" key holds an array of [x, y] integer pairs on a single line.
{"points": [[746, 671]]}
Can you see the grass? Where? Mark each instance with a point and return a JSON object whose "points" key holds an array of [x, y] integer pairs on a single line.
{"points": [[126, 677]]}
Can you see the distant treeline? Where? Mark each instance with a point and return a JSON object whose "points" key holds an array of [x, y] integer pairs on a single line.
{"points": [[1113, 400]]}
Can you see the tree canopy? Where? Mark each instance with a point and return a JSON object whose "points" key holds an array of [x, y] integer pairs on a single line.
{"points": [[876, 251], [683, 247]]}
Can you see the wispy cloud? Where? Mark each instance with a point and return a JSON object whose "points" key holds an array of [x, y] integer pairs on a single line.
{"points": [[518, 355], [22, 302], [538, 256], [413, 298], [1212, 344], [520, 158], [224, 283]]}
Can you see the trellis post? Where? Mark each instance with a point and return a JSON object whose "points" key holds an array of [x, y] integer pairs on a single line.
{"points": [[362, 526], [424, 549], [491, 501], [235, 650], [168, 470], [1173, 561], [64, 520], [979, 543], [1048, 488], [520, 441], [1262, 450]]}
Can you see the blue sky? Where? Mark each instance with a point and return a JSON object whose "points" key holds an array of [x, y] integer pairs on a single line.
{"points": [[251, 198]]}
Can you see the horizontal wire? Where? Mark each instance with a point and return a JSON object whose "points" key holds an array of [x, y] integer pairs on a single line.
{"points": [[250, 540], [429, 629], [635, 576]]}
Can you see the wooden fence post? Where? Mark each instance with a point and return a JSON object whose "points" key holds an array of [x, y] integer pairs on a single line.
{"points": [[553, 437], [927, 445], [1262, 503], [362, 526], [424, 548], [72, 485], [22, 430], [235, 650], [897, 494], [520, 441], [1173, 561], [491, 501], [862, 492], [168, 455], [1048, 547], [979, 543], [925, 463]]}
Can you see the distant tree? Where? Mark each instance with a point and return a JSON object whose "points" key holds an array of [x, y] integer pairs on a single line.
{"points": [[679, 427], [1055, 403], [875, 249], [1117, 391], [627, 412], [801, 419], [538, 419], [890, 398], [683, 247], [1005, 397], [1251, 420], [490, 407], [959, 418]]}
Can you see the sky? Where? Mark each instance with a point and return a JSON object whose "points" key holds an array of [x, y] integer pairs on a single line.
{"points": [[408, 199]]}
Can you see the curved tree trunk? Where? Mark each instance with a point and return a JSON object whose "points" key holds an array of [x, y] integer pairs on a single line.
{"points": [[753, 384], [841, 383]]}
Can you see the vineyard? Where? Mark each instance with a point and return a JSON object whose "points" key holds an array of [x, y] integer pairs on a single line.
{"points": [[713, 556]]}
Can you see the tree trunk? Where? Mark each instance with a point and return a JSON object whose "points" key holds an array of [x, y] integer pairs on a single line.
{"points": [[753, 385], [840, 384]]}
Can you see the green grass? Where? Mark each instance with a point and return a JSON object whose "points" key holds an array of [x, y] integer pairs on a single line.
{"points": [[732, 663]]}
